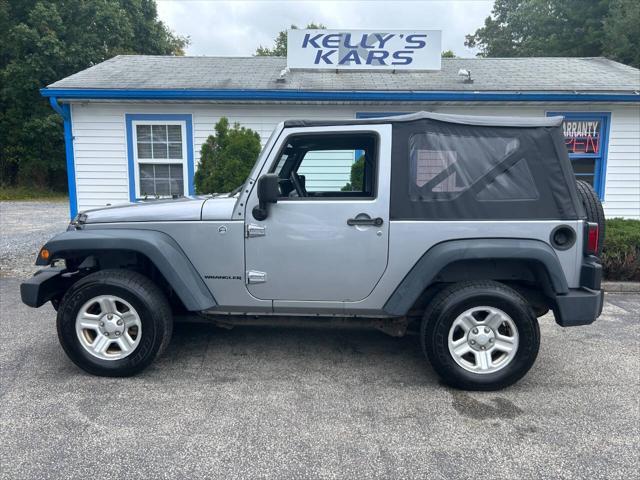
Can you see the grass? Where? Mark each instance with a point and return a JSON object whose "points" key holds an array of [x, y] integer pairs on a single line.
{"points": [[30, 193]]}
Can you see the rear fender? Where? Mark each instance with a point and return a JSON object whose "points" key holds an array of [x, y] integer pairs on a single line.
{"points": [[425, 272]]}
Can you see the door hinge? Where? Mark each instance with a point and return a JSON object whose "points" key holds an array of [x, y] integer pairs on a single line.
{"points": [[253, 230], [254, 276]]}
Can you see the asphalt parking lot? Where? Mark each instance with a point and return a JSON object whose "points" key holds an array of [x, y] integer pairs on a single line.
{"points": [[258, 402]]}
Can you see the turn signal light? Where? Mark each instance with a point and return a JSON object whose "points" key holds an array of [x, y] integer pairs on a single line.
{"points": [[591, 246], [44, 254]]}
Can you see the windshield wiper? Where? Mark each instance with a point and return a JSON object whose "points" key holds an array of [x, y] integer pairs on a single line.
{"points": [[230, 194], [235, 190]]}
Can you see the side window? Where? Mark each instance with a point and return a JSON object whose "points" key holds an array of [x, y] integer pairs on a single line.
{"points": [[433, 163], [328, 166], [443, 166], [514, 183], [160, 158], [333, 170]]}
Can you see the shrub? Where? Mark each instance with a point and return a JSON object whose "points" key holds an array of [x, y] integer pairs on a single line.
{"points": [[356, 183], [226, 159], [621, 251]]}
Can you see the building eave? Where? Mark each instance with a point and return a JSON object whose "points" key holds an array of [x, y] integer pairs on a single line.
{"points": [[292, 95]]}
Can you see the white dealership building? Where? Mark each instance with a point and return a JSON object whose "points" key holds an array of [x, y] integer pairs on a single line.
{"points": [[134, 125]]}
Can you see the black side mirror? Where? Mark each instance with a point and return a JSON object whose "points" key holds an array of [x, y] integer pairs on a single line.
{"points": [[268, 192]]}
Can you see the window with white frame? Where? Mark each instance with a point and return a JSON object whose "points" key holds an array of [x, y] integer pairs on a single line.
{"points": [[160, 158]]}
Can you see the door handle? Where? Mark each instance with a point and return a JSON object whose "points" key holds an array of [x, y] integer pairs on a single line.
{"points": [[377, 222]]}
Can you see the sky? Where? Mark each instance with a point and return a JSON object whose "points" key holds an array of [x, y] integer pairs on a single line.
{"points": [[237, 28]]}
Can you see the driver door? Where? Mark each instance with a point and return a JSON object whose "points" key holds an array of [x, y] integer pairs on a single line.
{"points": [[327, 237]]}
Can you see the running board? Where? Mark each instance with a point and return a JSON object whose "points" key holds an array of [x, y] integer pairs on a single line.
{"points": [[395, 327]]}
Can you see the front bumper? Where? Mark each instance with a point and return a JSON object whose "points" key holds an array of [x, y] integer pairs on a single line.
{"points": [[45, 285]]}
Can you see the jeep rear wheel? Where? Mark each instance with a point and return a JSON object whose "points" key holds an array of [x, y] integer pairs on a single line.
{"points": [[114, 323], [480, 335]]}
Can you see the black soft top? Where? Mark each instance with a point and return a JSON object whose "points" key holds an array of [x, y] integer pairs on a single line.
{"points": [[481, 121], [463, 167]]}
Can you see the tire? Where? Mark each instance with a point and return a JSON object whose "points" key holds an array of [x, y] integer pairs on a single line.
{"points": [[446, 309], [540, 311], [593, 209], [137, 305]]}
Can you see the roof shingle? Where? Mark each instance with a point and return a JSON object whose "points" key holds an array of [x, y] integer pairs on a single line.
{"points": [[550, 74]]}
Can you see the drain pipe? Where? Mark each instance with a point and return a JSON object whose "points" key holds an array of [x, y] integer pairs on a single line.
{"points": [[64, 111]]}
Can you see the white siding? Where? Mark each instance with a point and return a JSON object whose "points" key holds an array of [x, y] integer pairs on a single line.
{"points": [[622, 187], [101, 151]]}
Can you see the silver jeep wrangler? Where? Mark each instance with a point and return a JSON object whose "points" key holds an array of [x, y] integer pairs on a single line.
{"points": [[467, 228]]}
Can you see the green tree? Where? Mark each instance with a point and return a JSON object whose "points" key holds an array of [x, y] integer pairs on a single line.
{"points": [[42, 41], [279, 48], [571, 28], [448, 54], [526, 28], [622, 32], [226, 158], [356, 179]]}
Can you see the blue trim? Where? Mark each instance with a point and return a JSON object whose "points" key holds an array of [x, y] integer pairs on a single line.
{"points": [[600, 164], [53, 101], [186, 118], [379, 114], [338, 95], [65, 112]]}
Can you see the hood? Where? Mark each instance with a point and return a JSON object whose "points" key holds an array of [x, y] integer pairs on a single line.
{"points": [[181, 209]]}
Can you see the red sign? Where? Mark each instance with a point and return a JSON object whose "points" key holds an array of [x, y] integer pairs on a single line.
{"points": [[582, 136]]}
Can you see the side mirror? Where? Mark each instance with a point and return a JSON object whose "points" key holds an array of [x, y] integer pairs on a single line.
{"points": [[268, 192]]}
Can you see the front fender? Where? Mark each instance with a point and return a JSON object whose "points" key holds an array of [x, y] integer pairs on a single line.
{"points": [[161, 249], [425, 271]]}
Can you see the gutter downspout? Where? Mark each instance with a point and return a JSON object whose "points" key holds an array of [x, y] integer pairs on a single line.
{"points": [[64, 111]]}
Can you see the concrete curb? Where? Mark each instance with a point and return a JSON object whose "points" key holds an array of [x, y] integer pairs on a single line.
{"points": [[621, 287]]}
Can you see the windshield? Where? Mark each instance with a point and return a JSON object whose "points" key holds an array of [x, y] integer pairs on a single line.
{"points": [[265, 149], [264, 152]]}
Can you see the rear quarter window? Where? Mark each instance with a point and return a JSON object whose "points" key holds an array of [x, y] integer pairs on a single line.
{"points": [[443, 166]]}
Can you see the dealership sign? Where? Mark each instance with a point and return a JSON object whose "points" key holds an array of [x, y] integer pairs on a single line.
{"points": [[582, 136], [364, 49]]}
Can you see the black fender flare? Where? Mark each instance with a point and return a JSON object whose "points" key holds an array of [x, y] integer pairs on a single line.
{"points": [[161, 249], [439, 256]]}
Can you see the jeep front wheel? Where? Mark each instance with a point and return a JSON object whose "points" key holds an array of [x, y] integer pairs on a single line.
{"points": [[114, 323], [480, 335]]}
